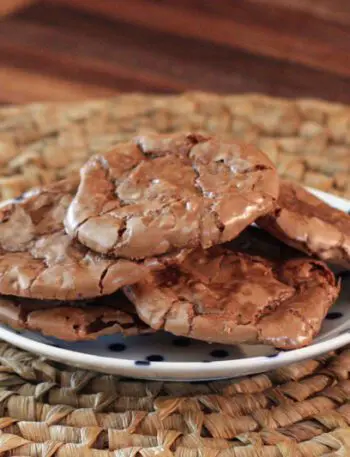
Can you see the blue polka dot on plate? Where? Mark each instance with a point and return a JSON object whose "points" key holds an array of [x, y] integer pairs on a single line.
{"points": [[155, 358], [117, 347], [334, 315], [219, 353]]}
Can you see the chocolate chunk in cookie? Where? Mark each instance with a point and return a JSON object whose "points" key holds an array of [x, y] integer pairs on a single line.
{"points": [[73, 320], [305, 222], [162, 193], [39, 260], [231, 297]]}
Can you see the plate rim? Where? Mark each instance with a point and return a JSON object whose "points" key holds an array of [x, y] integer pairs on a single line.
{"points": [[166, 370]]}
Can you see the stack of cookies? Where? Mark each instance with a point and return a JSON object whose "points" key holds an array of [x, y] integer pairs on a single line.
{"points": [[161, 234]]}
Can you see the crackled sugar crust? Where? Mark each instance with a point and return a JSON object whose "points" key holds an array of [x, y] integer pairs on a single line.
{"points": [[165, 192], [231, 297], [307, 223], [73, 320], [39, 260]]}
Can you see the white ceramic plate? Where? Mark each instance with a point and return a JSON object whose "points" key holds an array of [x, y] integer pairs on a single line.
{"points": [[165, 357]]}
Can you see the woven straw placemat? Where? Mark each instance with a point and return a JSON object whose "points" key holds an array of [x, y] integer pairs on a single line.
{"points": [[308, 139], [48, 409]]}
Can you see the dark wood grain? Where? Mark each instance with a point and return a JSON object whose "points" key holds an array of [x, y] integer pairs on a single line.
{"points": [[69, 49], [258, 29], [11, 6], [337, 11]]}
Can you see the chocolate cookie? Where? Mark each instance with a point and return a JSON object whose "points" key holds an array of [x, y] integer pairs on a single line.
{"points": [[74, 320], [310, 225], [162, 193], [232, 297], [39, 260]]}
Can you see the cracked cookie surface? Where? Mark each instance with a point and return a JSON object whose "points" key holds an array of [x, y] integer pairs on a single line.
{"points": [[39, 260], [231, 297], [161, 193], [305, 222], [73, 320]]}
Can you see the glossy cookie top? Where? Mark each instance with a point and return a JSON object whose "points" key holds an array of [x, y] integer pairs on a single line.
{"points": [[231, 297], [310, 225], [162, 193], [39, 260]]}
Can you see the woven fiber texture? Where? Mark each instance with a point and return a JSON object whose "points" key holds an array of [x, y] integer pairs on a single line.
{"points": [[309, 140], [49, 410]]}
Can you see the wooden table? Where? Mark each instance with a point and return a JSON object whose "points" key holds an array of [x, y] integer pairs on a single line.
{"points": [[72, 49]]}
